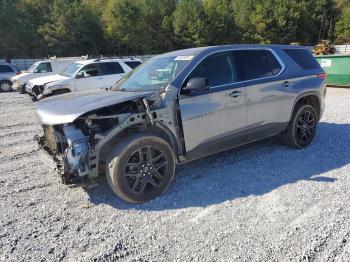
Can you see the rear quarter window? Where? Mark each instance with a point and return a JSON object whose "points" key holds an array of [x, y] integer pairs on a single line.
{"points": [[303, 58], [133, 64], [258, 64]]}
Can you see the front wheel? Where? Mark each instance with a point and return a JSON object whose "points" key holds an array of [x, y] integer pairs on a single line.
{"points": [[5, 86], [22, 89], [141, 168], [302, 127]]}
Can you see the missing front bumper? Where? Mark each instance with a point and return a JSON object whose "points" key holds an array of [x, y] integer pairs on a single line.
{"points": [[64, 159], [47, 159]]}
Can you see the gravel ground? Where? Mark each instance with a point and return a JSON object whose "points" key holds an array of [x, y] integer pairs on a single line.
{"points": [[256, 203]]}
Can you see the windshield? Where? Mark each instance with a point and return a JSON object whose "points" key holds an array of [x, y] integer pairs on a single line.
{"points": [[71, 69], [33, 67], [154, 74]]}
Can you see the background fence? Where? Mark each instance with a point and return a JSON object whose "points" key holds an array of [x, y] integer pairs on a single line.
{"points": [[24, 64], [342, 49]]}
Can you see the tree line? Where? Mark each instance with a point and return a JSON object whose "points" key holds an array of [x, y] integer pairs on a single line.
{"points": [[37, 28]]}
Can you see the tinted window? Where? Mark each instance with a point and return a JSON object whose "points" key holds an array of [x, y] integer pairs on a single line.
{"points": [[6, 69], [71, 69], [44, 68], [303, 58], [258, 63], [91, 70], [112, 68], [219, 69], [156, 73], [133, 64]]}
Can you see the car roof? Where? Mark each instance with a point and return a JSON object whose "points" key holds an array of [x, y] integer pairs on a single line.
{"points": [[14, 66], [4, 63], [197, 50], [104, 60]]}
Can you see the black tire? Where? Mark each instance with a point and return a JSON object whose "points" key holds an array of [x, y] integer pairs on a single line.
{"points": [[22, 89], [302, 127], [5, 86], [140, 168]]}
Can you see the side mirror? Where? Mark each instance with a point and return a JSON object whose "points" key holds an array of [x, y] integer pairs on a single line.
{"points": [[80, 75], [196, 84]]}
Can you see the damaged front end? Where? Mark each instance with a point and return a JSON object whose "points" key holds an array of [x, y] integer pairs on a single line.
{"points": [[79, 149], [66, 149]]}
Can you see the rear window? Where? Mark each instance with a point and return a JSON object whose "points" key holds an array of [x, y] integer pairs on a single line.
{"points": [[133, 64], [6, 69], [111, 68], [258, 63], [303, 58]]}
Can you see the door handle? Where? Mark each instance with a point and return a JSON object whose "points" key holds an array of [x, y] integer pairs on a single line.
{"points": [[235, 94], [287, 83]]}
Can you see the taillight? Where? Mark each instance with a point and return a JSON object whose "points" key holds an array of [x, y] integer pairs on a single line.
{"points": [[322, 76]]}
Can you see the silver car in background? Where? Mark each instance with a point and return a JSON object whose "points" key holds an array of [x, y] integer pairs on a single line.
{"points": [[178, 107], [7, 71]]}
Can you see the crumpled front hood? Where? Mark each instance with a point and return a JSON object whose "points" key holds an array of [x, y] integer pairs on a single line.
{"points": [[47, 79], [68, 107]]}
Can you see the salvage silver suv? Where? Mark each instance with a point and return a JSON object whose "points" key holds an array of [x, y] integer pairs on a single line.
{"points": [[178, 107]]}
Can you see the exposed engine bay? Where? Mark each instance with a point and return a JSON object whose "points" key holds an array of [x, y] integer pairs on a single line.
{"points": [[79, 149]]}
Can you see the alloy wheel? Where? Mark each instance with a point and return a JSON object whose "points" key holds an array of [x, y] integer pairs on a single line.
{"points": [[145, 170], [5, 87], [305, 127]]}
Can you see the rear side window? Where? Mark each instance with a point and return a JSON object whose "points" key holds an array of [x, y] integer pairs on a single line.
{"points": [[44, 68], [303, 58], [6, 69], [218, 69], [111, 68], [258, 63], [133, 64]]}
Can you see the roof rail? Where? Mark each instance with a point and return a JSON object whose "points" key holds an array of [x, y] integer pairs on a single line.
{"points": [[106, 58], [84, 57]]}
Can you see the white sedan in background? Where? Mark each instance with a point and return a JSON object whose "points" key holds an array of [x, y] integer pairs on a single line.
{"points": [[82, 76]]}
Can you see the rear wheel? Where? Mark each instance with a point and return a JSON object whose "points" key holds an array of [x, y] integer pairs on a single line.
{"points": [[302, 128], [5, 86], [141, 168]]}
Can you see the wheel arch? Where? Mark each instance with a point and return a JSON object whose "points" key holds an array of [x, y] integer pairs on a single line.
{"points": [[61, 91], [6, 80], [308, 98], [157, 129]]}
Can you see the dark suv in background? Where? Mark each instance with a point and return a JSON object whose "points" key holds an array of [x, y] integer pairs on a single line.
{"points": [[6, 72], [181, 106]]}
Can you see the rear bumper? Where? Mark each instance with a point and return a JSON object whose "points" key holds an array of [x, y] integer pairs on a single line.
{"points": [[15, 85]]}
